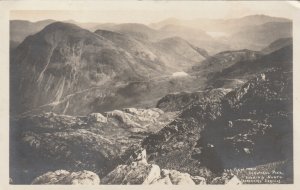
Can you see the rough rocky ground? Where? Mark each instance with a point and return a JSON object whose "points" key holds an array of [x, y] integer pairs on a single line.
{"points": [[250, 126], [49, 142], [180, 101], [64, 177], [140, 172]]}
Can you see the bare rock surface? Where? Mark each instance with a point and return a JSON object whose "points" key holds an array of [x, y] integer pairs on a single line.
{"points": [[241, 130], [140, 172], [136, 173], [94, 142], [182, 100], [64, 177]]}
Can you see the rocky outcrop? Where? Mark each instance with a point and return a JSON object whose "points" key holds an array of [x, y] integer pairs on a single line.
{"points": [[180, 101], [140, 172], [138, 120], [64, 177], [249, 126], [136, 173], [94, 142]]}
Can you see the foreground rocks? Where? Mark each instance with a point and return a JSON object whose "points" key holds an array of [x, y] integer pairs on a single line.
{"points": [[140, 172], [64, 177], [49, 142], [227, 179]]}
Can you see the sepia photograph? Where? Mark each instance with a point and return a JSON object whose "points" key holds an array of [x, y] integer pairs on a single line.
{"points": [[176, 93]]}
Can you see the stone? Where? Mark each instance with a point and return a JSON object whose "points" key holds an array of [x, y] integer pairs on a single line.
{"points": [[97, 117], [178, 178], [135, 173], [234, 181], [65, 177], [162, 181], [199, 180]]}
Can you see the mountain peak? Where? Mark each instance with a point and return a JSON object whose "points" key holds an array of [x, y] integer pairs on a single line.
{"points": [[265, 18], [61, 26]]}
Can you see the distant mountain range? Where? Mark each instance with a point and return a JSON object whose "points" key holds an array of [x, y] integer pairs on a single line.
{"points": [[221, 25], [248, 32], [20, 29]]}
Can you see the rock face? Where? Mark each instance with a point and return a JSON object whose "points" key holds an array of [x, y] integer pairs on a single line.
{"points": [[250, 126], [136, 173], [64, 177], [138, 120], [49, 142], [140, 172], [181, 101]]}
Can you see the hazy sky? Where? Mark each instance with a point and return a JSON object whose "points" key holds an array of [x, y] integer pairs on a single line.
{"points": [[147, 12]]}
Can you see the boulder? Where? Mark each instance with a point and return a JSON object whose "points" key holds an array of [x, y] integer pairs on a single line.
{"points": [[178, 178], [234, 181], [199, 180], [135, 173], [123, 118], [97, 117], [162, 181], [65, 177]]}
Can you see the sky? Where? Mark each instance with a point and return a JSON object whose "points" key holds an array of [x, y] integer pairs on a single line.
{"points": [[154, 11]]}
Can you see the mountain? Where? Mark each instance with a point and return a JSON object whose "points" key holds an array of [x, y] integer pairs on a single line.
{"points": [[277, 44], [20, 29], [139, 31], [249, 126], [244, 70], [184, 32], [213, 65], [64, 64], [259, 36], [194, 36], [222, 60], [250, 32], [176, 46], [228, 26]]}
